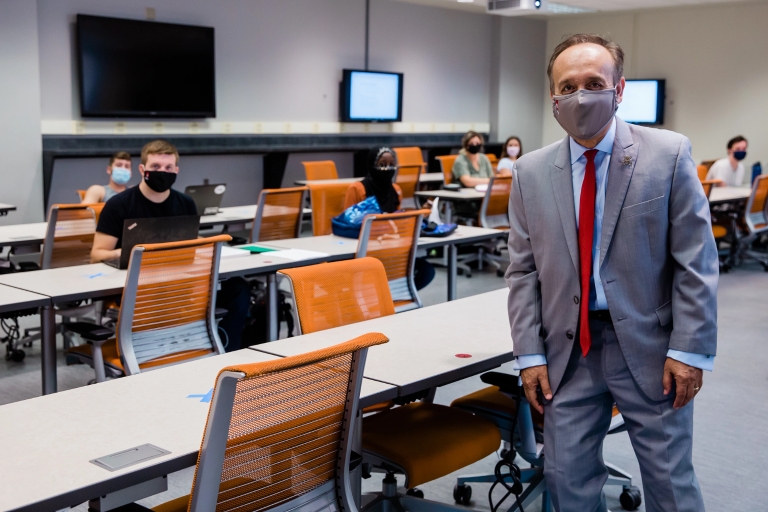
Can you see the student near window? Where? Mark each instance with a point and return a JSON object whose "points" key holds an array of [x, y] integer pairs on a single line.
{"points": [[510, 152], [730, 170], [472, 167], [119, 172], [154, 197]]}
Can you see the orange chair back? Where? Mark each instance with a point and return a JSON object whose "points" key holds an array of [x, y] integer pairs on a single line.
{"points": [[323, 170], [340, 293], [709, 185], [69, 237], [410, 156], [279, 214], [494, 212], [81, 194], [702, 171], [166, 315], [446, 164], [493, 159], [757, 205], [408, 180], [279, 433], [327, 202], [392, 238]]}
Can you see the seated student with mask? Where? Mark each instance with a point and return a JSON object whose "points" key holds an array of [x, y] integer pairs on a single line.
{"points": [[472, 167], [119, 171], [510, 152], [730, 170], [154, 197], [382, 164]]}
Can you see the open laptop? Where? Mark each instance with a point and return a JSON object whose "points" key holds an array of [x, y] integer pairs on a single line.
{"points": [[207, 198], [154, 230]]}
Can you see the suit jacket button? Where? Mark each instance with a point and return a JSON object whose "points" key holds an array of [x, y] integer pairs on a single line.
{"points": [[569, 335], [575, 299]]}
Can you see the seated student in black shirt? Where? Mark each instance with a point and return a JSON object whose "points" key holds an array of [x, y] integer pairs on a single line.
{"points": [[154, 197]]}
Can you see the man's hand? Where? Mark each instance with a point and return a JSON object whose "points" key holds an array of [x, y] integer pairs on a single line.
{"points": [[534, 377], [688, 381]]}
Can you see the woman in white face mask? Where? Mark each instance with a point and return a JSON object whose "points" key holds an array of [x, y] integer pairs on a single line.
{"points": [[510, 152]]}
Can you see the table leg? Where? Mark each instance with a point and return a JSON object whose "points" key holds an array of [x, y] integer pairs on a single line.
{"points": [[272, 321], [453, 251], [48, 348]]}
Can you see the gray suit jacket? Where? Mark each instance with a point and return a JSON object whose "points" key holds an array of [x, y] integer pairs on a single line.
{"points": [[658, 259]]}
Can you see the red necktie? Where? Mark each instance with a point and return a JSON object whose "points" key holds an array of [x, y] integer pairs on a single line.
{"points": [[586, 232]]}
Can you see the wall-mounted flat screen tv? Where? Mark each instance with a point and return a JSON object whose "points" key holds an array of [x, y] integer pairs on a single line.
{"points": [[643, 102], [371, 96], [131, 68]]}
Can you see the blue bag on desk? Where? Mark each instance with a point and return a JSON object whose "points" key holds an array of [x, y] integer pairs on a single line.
{"points": [[349, 222]]}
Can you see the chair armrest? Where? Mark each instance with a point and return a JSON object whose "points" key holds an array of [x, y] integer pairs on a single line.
{"points": [[90, 332], [219, 313], [506, 382]]}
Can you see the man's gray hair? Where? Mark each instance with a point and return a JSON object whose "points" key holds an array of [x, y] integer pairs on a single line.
{"points": [[614, 49]]}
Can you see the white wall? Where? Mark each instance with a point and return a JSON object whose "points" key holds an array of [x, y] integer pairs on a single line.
{"points": [[280, 61], [21, 172], [521, 76], [714, 61]]}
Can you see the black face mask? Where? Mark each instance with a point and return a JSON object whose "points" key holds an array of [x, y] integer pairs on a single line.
{"points": [[474, 148], [159, 181], [383, 175], [739, 155]]}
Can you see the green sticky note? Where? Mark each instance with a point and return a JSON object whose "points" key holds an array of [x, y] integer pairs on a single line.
{"points": [[256, 249]]}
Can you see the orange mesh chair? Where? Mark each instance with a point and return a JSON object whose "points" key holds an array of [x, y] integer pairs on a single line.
{"points": [[521, 426], [756, 220], [494, 214], [392, 238], [411, 166], [422, 440], [709, 185], [493, 159], [68, 241], [166, 314], [446, 164], [279, 434], [81, 194], [279, 214], [702, 171], [323, 170], [327, 202]]}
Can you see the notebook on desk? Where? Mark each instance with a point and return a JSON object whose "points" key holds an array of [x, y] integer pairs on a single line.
{"points": [[207, 198], [155, 230]]}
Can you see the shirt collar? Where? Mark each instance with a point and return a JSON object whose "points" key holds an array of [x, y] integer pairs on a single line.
{"points": [[605, 145]]}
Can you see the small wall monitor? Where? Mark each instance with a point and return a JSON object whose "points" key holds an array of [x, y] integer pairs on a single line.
{"points": [[643, 102], [371, 96], [133, 68]]}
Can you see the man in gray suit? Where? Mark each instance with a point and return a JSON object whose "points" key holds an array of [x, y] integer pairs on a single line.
{"points": [[613, 280]]}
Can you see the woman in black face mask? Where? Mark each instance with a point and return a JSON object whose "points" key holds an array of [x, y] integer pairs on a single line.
{"points": [[472, 167], [382, 164]]}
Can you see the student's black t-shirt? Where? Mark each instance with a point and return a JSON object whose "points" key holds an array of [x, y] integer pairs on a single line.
{"points": [[131, 204]]}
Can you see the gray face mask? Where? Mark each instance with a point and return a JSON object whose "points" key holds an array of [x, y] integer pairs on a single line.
{"points": [[584, 114]]}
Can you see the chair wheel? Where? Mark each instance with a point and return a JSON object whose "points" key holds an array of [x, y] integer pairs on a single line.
{"points": [[415, 492], [16, 356], [462, 494], [459, 271], [630, 498], [500, 273]]}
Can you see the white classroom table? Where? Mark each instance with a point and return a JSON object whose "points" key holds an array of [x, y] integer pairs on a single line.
{"points": [[34, 233], [98, 280], [14, 299], [720, 195], [428, 347], [45, 465], [341, 248], [5, 208], [427, 177]]}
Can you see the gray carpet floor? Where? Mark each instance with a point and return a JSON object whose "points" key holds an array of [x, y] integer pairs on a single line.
{"points": [[730, 452]]}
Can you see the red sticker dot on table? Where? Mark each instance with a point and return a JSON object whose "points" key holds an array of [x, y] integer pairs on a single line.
{"points": [[463, 356]]}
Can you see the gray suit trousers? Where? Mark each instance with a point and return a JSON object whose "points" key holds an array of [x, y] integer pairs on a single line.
{"points": [[577, 421]]}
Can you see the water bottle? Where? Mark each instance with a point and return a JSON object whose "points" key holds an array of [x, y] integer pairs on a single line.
{"points": [[757, 170]]}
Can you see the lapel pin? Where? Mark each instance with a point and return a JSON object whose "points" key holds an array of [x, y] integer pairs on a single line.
{"points": [[627, 161]]}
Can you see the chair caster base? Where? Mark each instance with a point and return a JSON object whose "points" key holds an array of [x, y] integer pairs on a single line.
{"points": [[462, 494], [630, 498], [16, 355], [500, 273], [415, 492]]}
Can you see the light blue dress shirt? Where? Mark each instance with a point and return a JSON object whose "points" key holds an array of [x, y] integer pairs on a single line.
{"points": [[597, 298]]}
